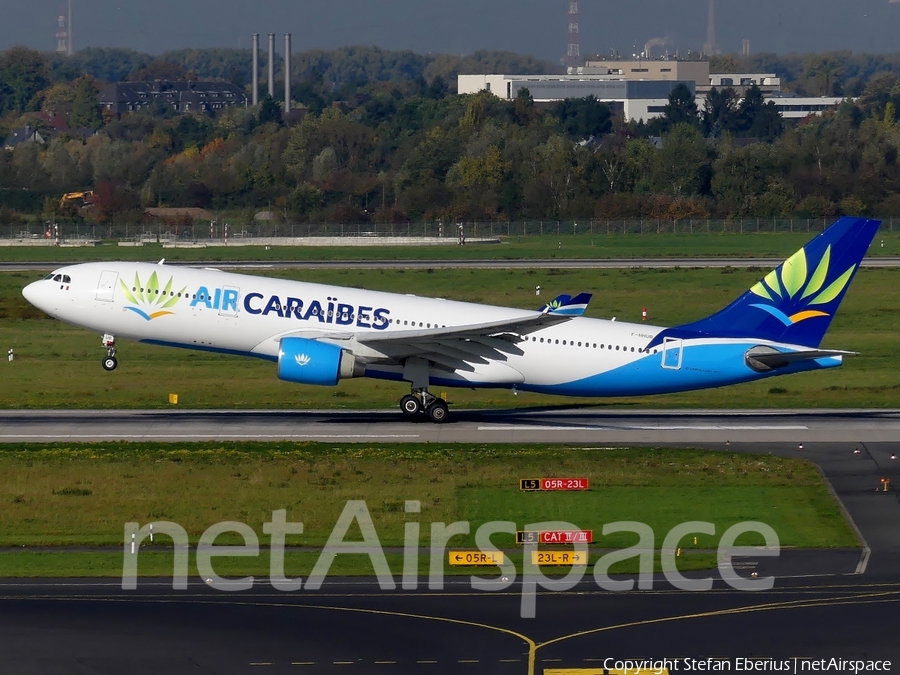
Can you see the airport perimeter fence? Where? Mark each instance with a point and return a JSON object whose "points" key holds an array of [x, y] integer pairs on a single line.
{"points": [[161, 232]]}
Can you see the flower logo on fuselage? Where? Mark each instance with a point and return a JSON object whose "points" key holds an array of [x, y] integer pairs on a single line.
{"points": [[150, 301], [793, 291]]}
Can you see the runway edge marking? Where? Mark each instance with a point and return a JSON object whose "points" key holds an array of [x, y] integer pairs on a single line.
{"points": [[866, 551]]}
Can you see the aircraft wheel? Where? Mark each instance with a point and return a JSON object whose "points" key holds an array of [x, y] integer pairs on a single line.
{"points": [[110, 363], [410, 405], [438, 411]]}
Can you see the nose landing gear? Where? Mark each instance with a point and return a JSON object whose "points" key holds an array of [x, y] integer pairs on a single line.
{"points": [[109, 362]]}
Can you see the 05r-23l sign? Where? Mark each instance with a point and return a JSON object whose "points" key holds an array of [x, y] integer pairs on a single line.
{"points": [[552, 484]]}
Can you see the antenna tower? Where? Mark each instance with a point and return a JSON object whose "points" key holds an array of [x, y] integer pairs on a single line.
{"points": [[64, 31], [62, 36], [573, 53]]}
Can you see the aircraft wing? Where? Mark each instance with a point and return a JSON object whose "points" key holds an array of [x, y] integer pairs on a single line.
{"points": [[450, 348], [461, 347]]}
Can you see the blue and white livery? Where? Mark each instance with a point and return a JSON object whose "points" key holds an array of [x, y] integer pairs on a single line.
{"points": [[318, 334]]}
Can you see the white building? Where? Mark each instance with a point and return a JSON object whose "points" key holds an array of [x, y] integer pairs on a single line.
{"points": [[798, 107], [768, 83], [638, 99]]}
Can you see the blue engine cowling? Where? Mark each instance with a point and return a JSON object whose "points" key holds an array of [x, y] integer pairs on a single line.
{"points": [[313, 362]]}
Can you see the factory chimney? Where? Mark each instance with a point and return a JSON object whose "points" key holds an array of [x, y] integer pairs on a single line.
{"points": [[711, 48], [287, 73], [255, 48], [272, 64]]}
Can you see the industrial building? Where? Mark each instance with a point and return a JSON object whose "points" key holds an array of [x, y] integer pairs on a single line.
{"points": [[656, 69], [640, 89]]}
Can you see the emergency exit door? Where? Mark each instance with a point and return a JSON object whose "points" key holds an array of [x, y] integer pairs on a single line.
{"points": [[107, 286]]}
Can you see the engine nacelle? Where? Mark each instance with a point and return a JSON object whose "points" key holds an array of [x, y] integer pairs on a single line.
{"points": [[313, 362]]}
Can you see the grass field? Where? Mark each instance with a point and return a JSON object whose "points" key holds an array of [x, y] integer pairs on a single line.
{"points": [[159, 563], [84, 494], [58, 366], [763, 244]]}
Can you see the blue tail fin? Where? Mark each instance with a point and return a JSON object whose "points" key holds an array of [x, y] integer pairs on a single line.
{"points": [[796, 302], [567, 305]]}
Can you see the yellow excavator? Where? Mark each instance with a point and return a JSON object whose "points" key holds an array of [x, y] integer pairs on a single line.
{"points": [[70, 197]]}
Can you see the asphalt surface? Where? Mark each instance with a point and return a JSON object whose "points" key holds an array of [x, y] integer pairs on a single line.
{"points": [[527, 425], [355, 627], [823, 604], [612, 263]]}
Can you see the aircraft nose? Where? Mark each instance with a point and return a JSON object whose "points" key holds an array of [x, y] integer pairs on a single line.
{"points": [[32, 293]]}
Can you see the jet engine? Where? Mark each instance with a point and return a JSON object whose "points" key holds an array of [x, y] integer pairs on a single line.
{"points": [[313, 362]]}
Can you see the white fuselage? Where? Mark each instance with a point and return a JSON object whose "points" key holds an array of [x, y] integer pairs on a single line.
{"points": [[230, 313]]}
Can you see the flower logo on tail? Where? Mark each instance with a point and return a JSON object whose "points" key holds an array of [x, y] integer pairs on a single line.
{"points": [[796, 291], [152, 302]]}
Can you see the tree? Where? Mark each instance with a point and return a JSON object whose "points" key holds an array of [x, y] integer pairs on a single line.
{"points": [[757, 118], [683, 169], [269, 111], [59, 99], [823, 74], [720, 112], [438, 88], [23, 74], [523, 107], [85, 109], [581, 118], [742, 176], [681, 108], [161, 69]]}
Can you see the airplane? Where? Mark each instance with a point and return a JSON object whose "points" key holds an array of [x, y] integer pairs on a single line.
{"points": [[320, 334]]}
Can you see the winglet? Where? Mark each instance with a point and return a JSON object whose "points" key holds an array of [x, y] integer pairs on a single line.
{"points": [[566, 305]]}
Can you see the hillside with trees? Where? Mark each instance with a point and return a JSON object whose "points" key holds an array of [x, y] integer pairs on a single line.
{"points": [[382, 137]]}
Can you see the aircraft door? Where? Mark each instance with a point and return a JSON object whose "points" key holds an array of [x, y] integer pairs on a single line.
{"points": [[229, 304], [671, 353], [107, 286]]}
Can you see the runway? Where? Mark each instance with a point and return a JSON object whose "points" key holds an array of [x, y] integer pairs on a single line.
{"points": [[574, 264], [535, 425]]}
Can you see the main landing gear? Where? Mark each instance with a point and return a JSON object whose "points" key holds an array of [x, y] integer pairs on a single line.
{"points": [[415, 371], [110, 362], [420, 401]]}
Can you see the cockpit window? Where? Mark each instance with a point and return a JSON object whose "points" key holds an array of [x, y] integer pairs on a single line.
{"points": [[48, 277], [57, 277], [67, 279]]}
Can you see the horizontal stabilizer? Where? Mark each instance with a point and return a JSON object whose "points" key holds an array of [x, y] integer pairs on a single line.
{"points": [[763, 359]]}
